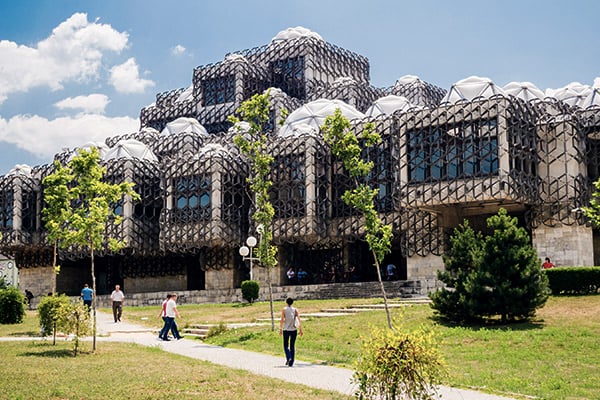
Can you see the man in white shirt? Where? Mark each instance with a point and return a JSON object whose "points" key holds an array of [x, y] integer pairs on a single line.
{"points": [[117, 298], [170, 325]]}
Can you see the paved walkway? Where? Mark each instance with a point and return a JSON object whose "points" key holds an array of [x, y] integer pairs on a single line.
{"points": [[317, 376]]}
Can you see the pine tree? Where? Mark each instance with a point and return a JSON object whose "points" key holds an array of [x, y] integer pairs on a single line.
{"points": [[496, 275]]}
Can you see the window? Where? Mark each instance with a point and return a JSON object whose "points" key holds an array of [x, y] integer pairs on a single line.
{"points": [[288, 75], [288, 193], [468, 149], [6, 209], [192, 198], [218, 90]]}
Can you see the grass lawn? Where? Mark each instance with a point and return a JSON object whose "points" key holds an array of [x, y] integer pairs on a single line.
{"points": [[39, 370], [555, 356]]}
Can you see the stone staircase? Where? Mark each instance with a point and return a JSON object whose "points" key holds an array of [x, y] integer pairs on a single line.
{"points": [[201, 330]]}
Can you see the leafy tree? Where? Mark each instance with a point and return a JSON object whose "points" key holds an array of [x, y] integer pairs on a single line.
{"points": [[345, 146], [593, 210], [93, 207], [256, 111], [56, 209], [495, 275], [12, 306]]}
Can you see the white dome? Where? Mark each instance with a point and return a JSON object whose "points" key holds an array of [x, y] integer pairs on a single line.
{"points": [[129, 149], [388, 105], [313, 115], [574, 94], [407, 79], [472, 88], [101, 146], [524, 90], [183, 124], [20, 169], [293, 33], [593, 99]]}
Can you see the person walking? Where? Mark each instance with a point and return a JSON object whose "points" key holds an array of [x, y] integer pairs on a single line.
{"points": [[170, 325], [117, 298], [87, 295], [163, 315], [289, 326]]}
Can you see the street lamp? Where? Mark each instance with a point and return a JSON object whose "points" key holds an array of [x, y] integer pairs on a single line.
{"points": [[247, 252]]}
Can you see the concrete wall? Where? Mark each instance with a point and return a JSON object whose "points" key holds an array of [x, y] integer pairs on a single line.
{"points": [[565, 245], [169, 283], [418, 267]]}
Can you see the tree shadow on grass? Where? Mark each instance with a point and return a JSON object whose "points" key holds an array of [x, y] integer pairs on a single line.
{"points": [[491, 324], [54, 353], [24, 334]]}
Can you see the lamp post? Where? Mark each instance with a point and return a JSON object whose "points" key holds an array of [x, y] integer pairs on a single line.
{"points": [[247, 252]]}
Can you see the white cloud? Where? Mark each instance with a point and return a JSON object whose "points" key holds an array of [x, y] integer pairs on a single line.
{"points": [[126, 78], [44, 138], [72, 53], [92, 104], [178, 50]]}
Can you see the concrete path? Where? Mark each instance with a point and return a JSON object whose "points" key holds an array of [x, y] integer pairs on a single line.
{"points": [[317, 376]]}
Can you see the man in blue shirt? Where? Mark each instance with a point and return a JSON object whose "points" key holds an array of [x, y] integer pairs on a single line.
{"points": [[87, 295]]}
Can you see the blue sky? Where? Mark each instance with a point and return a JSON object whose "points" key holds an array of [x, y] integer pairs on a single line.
{"points": [[72, 72]]}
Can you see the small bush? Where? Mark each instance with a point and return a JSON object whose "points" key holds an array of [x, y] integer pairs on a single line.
{"points": [[217, 330], [574, 280], [250, 290], [48, 312], [12, 306], [396, 365]]}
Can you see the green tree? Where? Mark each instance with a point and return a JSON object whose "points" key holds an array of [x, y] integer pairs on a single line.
{"points": [[56, 210], [593, 210], [495, 275], [463, 259], [93, 207], [345, 146], [256, 112]]}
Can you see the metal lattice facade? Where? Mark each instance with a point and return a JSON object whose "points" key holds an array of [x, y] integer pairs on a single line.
{"points": [[439, 161]]}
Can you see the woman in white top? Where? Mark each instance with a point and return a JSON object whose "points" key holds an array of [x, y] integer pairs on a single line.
{"points": [[289, 327]]}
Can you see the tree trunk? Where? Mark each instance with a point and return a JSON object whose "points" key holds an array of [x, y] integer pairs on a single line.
{"points": [[385, 302], [271, 299], [93, 298]]}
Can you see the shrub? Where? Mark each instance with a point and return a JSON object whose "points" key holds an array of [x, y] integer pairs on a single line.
{"points": [[574, 280], [48, 312], [73, 317], [217, 330], [12, 306], [395, 365], [250, 291]]}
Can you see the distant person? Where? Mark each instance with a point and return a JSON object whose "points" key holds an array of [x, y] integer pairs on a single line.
{"points": [[390, 272], [547, 264], [289, 326], [117, 298], [291, 275], [170, 325], [29, 297], [302, 275], [86, 295]]}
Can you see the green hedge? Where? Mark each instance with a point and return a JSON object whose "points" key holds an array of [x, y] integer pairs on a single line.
{"points": [[574, 280]]}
